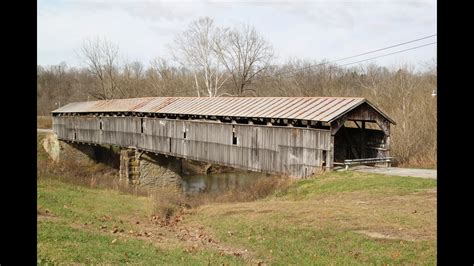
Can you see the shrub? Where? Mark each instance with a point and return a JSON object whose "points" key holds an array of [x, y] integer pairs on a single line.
{"points": [[167, 201], [261, 188]]}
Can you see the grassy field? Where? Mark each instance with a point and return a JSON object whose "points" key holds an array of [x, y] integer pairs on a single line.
{"points": [[44, 122], [340, 218], [81, 225], [335, 218]]}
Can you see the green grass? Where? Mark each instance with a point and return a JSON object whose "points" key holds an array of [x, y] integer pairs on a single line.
{"points": [[290, 245], [70, 218], [82, 205], [60, 243], [337, 182]]}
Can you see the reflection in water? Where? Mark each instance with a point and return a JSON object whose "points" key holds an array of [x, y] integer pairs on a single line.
{"points": [[212, 183]]}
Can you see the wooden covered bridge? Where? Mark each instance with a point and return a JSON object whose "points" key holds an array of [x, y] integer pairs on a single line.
{"points": [[294, 136]]}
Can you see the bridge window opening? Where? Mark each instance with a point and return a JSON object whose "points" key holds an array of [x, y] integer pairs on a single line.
{"points": [[258, 122], [141, 125], [324, 158], [234, 137], [184, 134], [100, 124]]}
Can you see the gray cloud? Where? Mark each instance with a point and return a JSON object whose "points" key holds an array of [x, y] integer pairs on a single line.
{"points": [[308, 29], [148, 10]]}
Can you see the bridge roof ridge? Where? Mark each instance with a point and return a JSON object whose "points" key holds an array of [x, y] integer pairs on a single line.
{"points": [[303, 108]]}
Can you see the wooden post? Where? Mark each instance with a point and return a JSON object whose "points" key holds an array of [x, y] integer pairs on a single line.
{"points": [[385, 126], [330, 155], [362, 141], [334, 128], [387, 144]]}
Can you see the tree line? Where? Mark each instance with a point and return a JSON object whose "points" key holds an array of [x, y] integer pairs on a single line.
{"points": [[212, 61]]}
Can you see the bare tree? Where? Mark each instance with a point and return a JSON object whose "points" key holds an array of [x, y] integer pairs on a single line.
{"points": [[371, 79], [131, 80], [159, 73], [100, 57], [245, 54], [196, 48]]}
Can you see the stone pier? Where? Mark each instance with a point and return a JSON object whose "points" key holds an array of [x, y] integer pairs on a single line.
{"points": [[140, 168], [135, 167]]}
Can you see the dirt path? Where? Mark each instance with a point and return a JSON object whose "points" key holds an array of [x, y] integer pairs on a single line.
{"points": [[193, 237], [422, 173]]}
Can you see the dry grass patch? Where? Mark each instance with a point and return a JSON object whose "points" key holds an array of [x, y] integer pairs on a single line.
{"points": [[252, 191], [337, 218], [410, 216], [44, 122], [167, 202]]}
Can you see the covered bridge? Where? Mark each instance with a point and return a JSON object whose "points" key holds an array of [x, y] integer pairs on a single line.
{"points": [[295, 136]]}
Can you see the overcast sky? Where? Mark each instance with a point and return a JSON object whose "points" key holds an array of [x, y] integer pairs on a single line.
{"points": [[312, 30]]}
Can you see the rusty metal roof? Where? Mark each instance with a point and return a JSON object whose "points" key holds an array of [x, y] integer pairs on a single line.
{"points": [[325, 109]]}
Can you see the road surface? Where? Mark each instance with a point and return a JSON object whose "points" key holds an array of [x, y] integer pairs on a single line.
{"points": [[422, 173]]}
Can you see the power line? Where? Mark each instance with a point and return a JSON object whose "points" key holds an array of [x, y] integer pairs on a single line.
{"points": [[349, 57], [404, 50]]}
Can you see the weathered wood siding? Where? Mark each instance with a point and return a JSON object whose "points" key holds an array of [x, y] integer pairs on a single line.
{"points": [[365, 113], [294, 151], [64, 127]]}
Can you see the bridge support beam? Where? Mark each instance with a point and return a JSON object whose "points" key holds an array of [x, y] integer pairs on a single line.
{"points": [[330, 155], [140, 168]]}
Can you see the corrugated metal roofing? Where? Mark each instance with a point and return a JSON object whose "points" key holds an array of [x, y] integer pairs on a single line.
{"points": [[325, 109]]}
